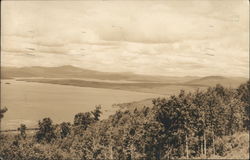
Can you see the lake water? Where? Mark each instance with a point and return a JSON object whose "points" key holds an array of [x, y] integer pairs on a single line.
{"points": [[28, 102]]}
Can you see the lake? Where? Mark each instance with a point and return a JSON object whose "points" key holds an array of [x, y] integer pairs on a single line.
{"points": [[28, 102]]}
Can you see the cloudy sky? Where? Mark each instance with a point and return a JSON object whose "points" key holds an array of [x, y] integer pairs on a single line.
{"points": [[171, 37]]}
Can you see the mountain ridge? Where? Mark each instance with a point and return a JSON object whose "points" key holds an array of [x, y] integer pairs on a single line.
{"points": [[69, 71]]}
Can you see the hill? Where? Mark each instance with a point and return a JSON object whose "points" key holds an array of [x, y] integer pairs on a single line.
{"points": [[75, 72], [213, 80], [70, 75]]}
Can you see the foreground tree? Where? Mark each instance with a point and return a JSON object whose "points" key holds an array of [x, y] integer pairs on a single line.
{"points": [[83, 120], [187, 125], [97, 113], [46, 131], [2, 111], [64, 129], [22, 130], [244, 95]]}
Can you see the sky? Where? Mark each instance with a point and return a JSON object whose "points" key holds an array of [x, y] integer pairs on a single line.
{"points": [[169, 38]]}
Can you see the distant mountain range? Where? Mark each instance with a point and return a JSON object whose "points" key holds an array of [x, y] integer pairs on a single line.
{"points": [[71, 72], [74, 72], [213, 80]]}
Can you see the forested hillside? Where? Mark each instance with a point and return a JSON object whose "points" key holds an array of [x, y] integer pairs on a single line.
{"points": [[201, 124]]}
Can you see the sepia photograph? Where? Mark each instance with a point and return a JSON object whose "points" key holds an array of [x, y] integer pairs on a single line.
{"points": [[124, 80]]}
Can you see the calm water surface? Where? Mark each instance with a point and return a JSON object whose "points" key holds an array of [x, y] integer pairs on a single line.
{"points": [[28, 102]]}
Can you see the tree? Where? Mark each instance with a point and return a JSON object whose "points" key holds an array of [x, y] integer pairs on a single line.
{"points": [[199, 100], [97, 113], [46, 131], [22, 130], [2, 111], [176, 116], [244, 95], [65, 129], [83, 120]]}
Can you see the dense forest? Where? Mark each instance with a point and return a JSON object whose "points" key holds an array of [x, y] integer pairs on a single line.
{"points": [[186, 125]]}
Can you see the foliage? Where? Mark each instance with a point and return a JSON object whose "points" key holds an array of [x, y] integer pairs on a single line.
{"points": [[188, 125], [22, 130], [2, 111], [244, 95], [46, 131], [64, 129], [83, 120]]}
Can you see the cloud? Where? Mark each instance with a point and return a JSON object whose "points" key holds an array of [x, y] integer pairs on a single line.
{"points": [[160, 37]]}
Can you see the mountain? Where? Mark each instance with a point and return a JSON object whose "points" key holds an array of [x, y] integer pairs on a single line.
{"points": [[74, 72], [70, 72], [213, 80]]}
